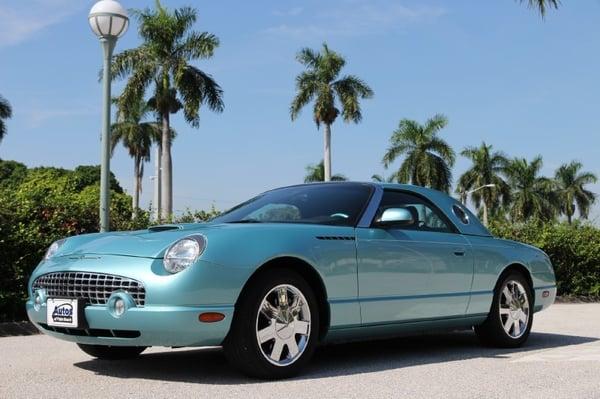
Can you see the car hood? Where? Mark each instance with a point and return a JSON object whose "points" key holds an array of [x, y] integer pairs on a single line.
{"points": [[150, 243]]}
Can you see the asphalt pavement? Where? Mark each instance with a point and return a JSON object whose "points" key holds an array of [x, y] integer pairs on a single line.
{"points": [[560, 360]]}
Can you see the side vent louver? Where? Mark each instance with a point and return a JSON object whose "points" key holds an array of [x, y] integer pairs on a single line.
{"points": [[336, 238], [164, 227]]}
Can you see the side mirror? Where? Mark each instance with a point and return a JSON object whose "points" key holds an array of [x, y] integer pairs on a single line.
{"points": [[395, 217]]}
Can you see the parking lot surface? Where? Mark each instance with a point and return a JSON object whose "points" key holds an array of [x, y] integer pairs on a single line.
{"points": [[560, 360]]}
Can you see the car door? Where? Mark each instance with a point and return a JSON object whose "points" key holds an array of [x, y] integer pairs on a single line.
{"points": [[422, 270]]}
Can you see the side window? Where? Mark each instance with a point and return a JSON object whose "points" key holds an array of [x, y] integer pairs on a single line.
{"points": [[426, 216]]}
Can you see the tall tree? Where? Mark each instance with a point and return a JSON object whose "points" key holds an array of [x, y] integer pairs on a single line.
{"points": [[484, 179], [542, 5], [163, 61], [532, 194], [381, 179], [137, 136], [321, 83], [5, 113], [570, 183], [427, 158], [315, 173]]}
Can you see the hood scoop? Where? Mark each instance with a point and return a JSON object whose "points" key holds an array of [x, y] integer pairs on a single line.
{"points": [[164, 227]]}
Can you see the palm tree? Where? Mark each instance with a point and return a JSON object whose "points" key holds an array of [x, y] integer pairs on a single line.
{"points": [[483, 180], [137, 137], [542, 5], [315, 173], [381, 179], [532, 195], [163, 61], [321, 83], [5, 113], [570, 182], [427, 158]]}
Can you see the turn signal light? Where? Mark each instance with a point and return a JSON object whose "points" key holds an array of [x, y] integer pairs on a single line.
{"points": [[211, 317], [545, 294]]}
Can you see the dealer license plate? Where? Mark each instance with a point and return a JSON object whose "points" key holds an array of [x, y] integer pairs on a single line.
{"points": [[62, 312]]}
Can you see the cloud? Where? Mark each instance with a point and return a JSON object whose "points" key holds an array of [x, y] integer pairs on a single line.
{"points": [[357, 18], [19, 20]]}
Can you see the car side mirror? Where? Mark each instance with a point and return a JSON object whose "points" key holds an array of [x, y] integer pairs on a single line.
{"points": [[395, 217]]}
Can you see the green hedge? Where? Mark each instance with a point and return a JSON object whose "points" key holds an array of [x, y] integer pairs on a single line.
{"points": [[573, 249], [39, 206]]}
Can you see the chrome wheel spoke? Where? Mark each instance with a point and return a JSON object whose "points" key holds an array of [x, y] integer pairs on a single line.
{"points": [[277, 350], [523, 317], [301, 327], [269, 310], [504, 311], [508, 324], [292, 347], [517, 327], [507, 294], [266, 334]]}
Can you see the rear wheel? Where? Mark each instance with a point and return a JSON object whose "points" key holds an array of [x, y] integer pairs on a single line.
{"points": [[509, 323], [112, 352], [275, 328]]}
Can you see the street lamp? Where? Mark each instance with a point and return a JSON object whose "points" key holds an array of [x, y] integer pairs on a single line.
{"points": [[480, 188], [109, 21]]}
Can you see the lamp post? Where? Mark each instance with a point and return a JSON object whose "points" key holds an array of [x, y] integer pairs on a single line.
{"points": [[485, 210], [109, 21]]}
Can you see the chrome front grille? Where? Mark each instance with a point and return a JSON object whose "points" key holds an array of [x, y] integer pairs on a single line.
{"points": [[96, 288]]}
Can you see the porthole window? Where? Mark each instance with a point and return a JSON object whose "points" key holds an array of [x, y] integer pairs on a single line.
{"points": [[460, 214]]}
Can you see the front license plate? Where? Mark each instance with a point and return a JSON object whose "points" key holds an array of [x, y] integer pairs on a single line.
{"points": [[62, 312]]}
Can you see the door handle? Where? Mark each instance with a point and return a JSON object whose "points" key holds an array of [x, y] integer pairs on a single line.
{"points": [[459, 252]]}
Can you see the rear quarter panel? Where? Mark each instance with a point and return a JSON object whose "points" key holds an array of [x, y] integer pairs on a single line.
{"points": [[492, 256]]}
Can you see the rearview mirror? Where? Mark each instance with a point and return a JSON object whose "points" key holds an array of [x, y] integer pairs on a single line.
{"points": [[395, 216]]}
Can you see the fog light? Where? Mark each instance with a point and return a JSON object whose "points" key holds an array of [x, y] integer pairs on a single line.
{"points": [[119, 303], [39, 298], [119, 307]]}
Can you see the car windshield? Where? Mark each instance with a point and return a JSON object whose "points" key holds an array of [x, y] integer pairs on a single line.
{"points": [[334, 204]]}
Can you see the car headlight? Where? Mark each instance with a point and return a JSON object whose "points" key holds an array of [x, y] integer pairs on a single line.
{"points": [[53, 249], [183, 253]]}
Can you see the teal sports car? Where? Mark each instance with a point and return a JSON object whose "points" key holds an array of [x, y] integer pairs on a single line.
{"points": [[274, 277]]}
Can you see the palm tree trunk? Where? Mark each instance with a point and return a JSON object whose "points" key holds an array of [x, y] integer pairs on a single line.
{"points": [[569, 217], [327, 152], [136, 187], [157, 186], [166, 169], [485, 214]]}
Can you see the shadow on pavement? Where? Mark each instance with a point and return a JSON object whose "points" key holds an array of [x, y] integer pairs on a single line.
{"points": [[209, 366]]}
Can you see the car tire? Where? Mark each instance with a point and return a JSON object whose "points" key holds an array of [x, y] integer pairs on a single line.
{"points": [[509, 322], [112, 352], [278, 341]]}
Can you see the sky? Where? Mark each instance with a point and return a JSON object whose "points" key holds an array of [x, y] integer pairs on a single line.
{"points": [[498, 71]]}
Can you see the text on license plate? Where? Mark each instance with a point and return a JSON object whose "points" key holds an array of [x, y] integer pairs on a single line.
{"points": [[62, 312]]}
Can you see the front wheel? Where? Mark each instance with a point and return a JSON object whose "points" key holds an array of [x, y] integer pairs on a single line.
{"points": [[112, 352], [275, 329], [509, 323]]}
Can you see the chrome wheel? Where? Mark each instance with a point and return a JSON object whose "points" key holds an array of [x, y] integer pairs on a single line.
{"points": [[283, 325], [514, 309]]}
